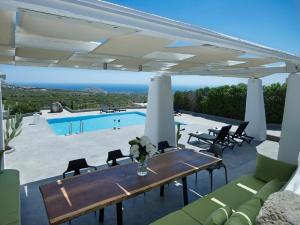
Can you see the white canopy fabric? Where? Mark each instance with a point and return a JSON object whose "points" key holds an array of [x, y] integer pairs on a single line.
{"points": [[93, 34]]}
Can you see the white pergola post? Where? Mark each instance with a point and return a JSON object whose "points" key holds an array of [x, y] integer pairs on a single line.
{"points": [[289, 144], [160, 124], [255, 110]]}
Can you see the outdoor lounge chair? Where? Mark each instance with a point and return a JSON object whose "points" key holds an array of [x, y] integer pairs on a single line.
{"points": [[106, 109], [222, 138], [239, 134], [112, 157], [117, 108]]}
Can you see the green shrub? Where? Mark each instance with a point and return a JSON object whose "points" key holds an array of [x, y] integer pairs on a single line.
{"points": [[230, 101]]}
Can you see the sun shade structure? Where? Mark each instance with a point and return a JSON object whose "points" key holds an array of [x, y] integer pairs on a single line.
{"points": [[93, 34]]}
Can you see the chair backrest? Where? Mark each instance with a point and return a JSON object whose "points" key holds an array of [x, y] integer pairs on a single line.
{"points": [[222, 134], [76, 165], [241, 128], [162, 146], [113, 156]]}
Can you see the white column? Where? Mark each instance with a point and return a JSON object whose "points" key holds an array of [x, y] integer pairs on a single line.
{"points": [[160, 124], [289, 144], [255, 110], [1, 126]]}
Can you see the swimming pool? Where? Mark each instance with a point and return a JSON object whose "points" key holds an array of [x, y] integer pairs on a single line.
{"points": [[80, 124]]}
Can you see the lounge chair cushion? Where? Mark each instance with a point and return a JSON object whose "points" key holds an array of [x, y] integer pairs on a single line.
{"points": [[268, 189], [268, 169], [246, 214], [203, 136], [244, 187], [176, 218], [9, 197], [219, 217]]}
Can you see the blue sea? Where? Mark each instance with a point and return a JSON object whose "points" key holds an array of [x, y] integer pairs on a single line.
{"points": [[110, 88]]}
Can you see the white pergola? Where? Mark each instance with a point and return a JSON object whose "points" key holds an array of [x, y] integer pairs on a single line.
{"points": [[97, 35]]}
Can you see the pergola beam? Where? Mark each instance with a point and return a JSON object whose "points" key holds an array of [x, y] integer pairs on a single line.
{"points": [[148, 23], [252, 72]]}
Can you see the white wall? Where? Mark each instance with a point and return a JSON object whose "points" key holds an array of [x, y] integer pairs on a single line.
{"points": [[160, 124], [289, 145], [255, 110]]}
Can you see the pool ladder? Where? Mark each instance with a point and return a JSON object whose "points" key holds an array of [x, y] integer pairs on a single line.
{"points": [[80, 127]]}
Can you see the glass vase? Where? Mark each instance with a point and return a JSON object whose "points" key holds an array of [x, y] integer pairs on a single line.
{"points": [[142, 168]]}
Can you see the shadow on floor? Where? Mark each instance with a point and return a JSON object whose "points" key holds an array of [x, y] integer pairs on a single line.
{"points": [[144, 209]]}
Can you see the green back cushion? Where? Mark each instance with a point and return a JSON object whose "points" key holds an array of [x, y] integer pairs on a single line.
{"points": [[271, 187], [268, 169], [219, 216], [246, 213]]}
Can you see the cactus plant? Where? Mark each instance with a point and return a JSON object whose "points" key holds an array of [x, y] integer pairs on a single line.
{"points": [[178, 134], [12, 130]]}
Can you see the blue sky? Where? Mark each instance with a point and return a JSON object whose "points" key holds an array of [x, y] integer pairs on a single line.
{"points": [[275, 23]]}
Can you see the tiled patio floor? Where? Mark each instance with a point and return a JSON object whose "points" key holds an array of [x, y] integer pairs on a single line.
{"points": [[42, 156]]}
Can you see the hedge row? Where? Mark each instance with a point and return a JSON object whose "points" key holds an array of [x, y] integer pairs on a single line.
{"points": [[230, 101]]}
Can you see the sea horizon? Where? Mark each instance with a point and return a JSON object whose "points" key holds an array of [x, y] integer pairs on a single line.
{"points": [[109, 88]]}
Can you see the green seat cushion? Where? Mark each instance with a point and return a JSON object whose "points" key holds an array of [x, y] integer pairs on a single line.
{"points": [[268, 169], [176, 218], [269, 188], [9, 197], [233, 195], [246, 214], [219, 217]]}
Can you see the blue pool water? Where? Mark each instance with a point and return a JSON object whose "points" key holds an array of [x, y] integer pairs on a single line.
{"points": [[74, 125]]}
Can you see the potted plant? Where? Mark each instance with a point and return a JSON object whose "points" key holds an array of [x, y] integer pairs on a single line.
{"points": [[12, 130], [178, 136], [141, 150]]}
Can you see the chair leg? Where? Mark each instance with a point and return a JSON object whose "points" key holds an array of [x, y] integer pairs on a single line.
{"points": [[225, 170], [189, 139], [211, 180], [101, 215], [196, 177], [162, 191]]}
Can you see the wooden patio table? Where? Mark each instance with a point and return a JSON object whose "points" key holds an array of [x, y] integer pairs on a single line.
{"points": [[69, 198]]}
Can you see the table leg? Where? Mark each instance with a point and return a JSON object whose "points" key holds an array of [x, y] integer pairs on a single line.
{"points": [[162, 191], [119, 207], [101, 215], [185, 192]]}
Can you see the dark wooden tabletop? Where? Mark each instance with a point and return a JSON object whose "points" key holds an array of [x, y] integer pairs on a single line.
{"points": [[75, 196]]}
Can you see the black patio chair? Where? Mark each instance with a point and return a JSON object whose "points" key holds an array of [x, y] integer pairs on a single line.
{"points": [[217, 151], [177, 112], [161, 146], [114, 155], [75, 166], [222, 138]]}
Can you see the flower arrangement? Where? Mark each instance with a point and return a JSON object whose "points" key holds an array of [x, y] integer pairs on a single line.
{"points": [[141, 149]]}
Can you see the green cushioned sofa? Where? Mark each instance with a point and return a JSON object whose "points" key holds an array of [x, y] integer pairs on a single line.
{"points": [[9, 197], [233, 194]]}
